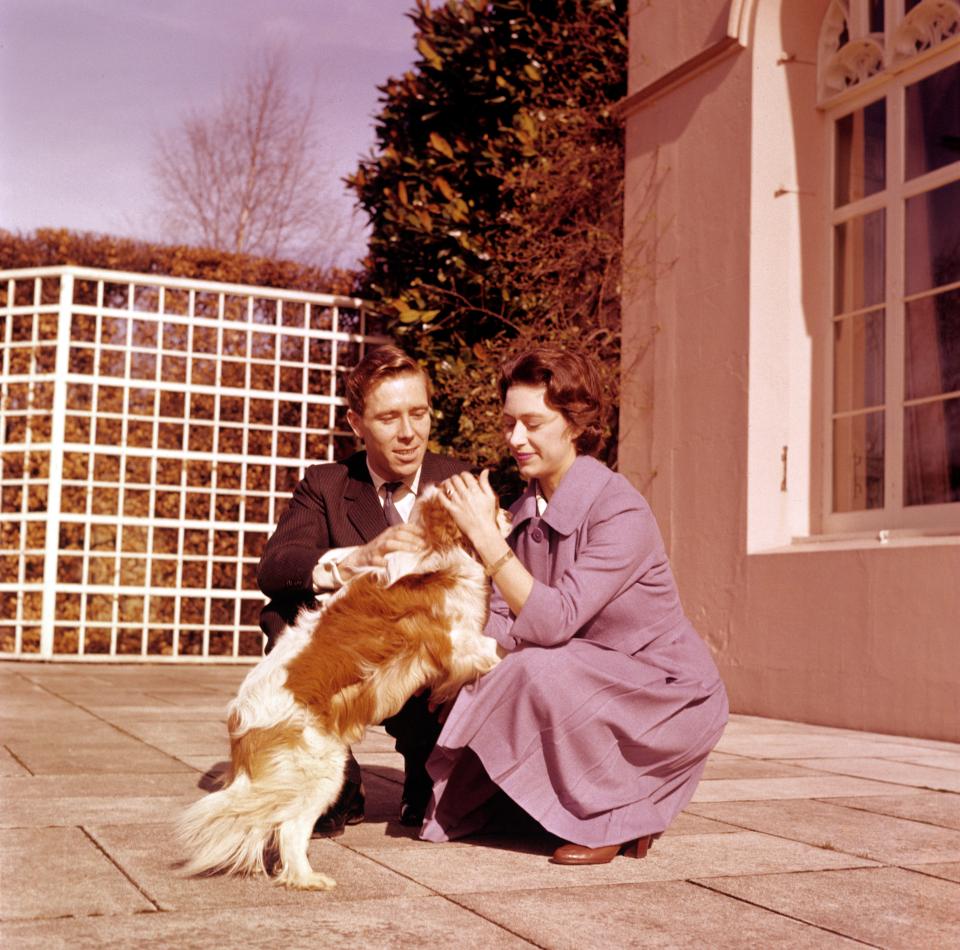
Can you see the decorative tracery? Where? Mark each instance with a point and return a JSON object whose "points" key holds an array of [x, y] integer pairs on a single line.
{"points": [[927, 25], [849, 53]]}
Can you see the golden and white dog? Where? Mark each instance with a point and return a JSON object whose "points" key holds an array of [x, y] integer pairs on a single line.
{"points": [[416, 623]]}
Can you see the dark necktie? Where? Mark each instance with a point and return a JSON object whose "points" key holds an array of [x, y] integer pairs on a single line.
{"points": [[389, 508]]}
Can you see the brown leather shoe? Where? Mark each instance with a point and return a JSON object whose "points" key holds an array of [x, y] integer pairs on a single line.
{"points": [[580, 854]]}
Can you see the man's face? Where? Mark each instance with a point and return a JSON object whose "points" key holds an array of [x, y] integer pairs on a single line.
{"points": [[395, 426]]}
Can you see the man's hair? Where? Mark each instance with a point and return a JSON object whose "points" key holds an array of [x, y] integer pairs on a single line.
{"points": [[573, 388], [384, 362]]}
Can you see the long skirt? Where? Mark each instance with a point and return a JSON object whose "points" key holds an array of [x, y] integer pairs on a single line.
{"points": [[598, 746]]}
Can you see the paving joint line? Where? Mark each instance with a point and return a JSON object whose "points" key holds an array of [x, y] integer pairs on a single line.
{"points": [[16, 758], [445, 897], [140, 889], [778, 913], [883, 814]]}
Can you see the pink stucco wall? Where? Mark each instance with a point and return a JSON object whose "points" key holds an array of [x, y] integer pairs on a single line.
{"points": [[724, 364]]}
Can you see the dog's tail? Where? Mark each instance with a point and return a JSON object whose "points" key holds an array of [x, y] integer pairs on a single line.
{"points": [[222, 832], [236, 830]]}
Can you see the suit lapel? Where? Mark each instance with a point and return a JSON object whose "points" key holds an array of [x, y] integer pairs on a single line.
{"points": [[360, 499], [429, 473]]}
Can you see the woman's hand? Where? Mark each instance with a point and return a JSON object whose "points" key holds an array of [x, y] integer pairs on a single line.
{"points": [[473, 504], [474, 507]]}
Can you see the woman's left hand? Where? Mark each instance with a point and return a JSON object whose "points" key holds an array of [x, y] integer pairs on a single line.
{"points": [[473, 504]]}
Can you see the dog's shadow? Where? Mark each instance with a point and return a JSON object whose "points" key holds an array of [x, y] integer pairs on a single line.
{"points": [[511, 829]]}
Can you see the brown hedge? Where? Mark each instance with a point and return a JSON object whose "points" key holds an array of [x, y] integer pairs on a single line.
{"points": [[48, 247]]}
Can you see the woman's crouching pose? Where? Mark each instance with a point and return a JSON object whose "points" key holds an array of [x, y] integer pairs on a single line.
{"points": [[599, 720]]}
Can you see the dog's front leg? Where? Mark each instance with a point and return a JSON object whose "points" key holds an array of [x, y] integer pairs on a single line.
{"points": [[296, 872]]}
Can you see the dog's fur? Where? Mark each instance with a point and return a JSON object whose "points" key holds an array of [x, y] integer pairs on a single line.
{"points": [[416, 623]]}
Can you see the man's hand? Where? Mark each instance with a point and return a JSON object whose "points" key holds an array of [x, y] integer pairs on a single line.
{"points": [[400, 537]]}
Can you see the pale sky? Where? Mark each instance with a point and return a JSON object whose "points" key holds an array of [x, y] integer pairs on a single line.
{"points": [[85, 84]]}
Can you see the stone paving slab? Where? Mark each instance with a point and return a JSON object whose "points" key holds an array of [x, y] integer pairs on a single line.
{"points": [[120, 755], [10, 767], [151, 855], [799, 745], [773, 794], [666, 915], [949, 872], [121, 785], [812, 786], [73, 873], [391, 924], [722, 765], [897, 772], [861, 833], [935, 808], [936, 759], [183, 737], [474, 865], [28, 812], [118, 715], [885, 907]]}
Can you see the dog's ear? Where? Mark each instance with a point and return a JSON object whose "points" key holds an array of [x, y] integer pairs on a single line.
{"points": [[438, 525]]}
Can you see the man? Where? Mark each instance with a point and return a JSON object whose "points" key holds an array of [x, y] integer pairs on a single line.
{"points": [[347, 515]]}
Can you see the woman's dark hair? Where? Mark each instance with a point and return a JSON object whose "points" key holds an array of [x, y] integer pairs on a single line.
{"points": [[384, 362], [573, 388]]}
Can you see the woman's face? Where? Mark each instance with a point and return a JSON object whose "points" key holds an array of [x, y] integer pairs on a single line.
{"points": [[540, 438]]}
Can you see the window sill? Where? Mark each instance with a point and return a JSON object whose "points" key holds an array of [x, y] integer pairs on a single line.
{"points": [[866, 541]]}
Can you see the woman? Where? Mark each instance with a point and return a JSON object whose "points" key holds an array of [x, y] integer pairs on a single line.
{"points": [[599, 719]]}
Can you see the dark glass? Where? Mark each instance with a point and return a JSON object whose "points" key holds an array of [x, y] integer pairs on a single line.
{"points": [[931, 453], [861, 159], [932, 346], [933, 238], [933, 121], [858, 354], [876, 16], [859, 262], [858, 452]]}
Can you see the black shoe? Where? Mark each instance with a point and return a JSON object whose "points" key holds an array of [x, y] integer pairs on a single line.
{"points": [[417, 789], [346, 810], [411, 815]]}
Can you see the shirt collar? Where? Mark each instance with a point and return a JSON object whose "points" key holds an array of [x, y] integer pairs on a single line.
{"points": [[412, 483]]}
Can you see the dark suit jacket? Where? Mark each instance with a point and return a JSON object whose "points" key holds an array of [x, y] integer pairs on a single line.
{"points": [[334, 506]]}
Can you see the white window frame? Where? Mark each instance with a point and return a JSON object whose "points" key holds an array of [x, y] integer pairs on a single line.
{"points": [[890, 83]]}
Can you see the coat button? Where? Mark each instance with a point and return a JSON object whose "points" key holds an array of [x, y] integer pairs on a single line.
{"points": [[536, 535]]}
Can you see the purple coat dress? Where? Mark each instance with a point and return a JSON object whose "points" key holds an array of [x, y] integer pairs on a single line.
{"points": [[599, 720]]}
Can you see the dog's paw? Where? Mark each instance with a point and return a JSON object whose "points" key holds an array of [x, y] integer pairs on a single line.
{"points": [[314, 881]]}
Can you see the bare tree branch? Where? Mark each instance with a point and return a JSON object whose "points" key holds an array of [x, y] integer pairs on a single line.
{"points": [[250, 177]]}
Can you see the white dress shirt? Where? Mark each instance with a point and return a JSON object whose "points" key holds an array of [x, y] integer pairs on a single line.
{"points": [[326, 576]]}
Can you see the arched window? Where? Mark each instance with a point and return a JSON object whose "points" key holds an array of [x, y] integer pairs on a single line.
{"points": [[889, 81]]}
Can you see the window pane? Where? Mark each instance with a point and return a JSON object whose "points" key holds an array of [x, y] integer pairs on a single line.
{"points": [[931, 453], [858, 462], [876, 16], [933, 238], [933, 121], [859, 262], [858, 345], [932, 358], [861, 166]]}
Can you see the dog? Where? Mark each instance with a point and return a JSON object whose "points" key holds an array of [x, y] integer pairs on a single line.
{"points": [[416, 623]]}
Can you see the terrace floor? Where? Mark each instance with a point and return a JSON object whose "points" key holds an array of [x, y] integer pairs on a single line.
{"points": [[799, 835]]}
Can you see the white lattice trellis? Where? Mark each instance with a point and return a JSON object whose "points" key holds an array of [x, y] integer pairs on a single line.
{"points": [[151, 429]]}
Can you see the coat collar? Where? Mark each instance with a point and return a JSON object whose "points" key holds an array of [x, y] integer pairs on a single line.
{"points": [[571, 501]]}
